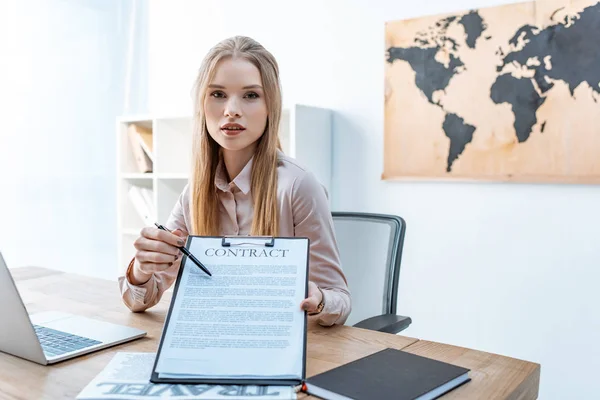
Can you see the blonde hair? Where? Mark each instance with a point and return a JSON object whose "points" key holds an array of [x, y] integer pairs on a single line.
{"points": [[204, 212]]}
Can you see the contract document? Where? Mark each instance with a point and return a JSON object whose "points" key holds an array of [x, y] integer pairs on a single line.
{"points": [[243, 324]]}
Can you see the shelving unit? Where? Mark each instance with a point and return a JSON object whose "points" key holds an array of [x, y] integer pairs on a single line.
{"points": [[305, 133]]}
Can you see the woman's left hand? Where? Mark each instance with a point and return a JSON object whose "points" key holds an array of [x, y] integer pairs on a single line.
{"points": [[314, 298]]}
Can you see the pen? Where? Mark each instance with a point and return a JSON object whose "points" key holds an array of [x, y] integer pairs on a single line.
{"points": [[187, 252]]}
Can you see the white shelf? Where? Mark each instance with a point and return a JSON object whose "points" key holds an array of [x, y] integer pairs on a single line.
{"points": [[305, 134], [168, 193], [131, 232], [173, 144], [136, 175], [172, 176]]}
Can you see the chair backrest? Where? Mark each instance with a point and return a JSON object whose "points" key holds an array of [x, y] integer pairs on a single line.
{"points": [[370, 248]]}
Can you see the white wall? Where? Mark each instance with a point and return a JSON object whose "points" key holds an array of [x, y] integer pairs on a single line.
{"points": [[62, 79], [506, 268]]}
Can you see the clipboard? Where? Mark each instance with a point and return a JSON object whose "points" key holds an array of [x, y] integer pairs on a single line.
{"points": [[229, 242]]}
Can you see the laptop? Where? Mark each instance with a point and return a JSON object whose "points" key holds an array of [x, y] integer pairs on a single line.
{"points": [[50, 337]]}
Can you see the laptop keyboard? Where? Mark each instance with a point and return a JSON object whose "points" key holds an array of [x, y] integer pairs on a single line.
{"points": [[56, 343]]}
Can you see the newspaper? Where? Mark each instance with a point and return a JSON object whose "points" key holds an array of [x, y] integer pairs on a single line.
{"points": [[127, 377]]}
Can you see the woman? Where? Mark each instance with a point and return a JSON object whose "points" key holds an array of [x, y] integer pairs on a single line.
{"points": [[242, 184]]}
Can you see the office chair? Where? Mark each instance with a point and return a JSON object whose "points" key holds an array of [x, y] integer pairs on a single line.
{"points": [[370, 248]]}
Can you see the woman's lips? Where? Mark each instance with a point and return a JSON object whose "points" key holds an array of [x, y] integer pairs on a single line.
{"points": [[232, 129], [232, 132]]}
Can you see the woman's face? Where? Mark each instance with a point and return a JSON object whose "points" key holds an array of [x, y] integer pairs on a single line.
{"points": [[235, 106]]}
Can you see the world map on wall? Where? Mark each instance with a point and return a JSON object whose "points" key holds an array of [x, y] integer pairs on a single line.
{"points": [[527, 64]]}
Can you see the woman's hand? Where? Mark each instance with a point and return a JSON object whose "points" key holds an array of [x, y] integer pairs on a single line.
{"points": [[315, 296], [156, 251]]}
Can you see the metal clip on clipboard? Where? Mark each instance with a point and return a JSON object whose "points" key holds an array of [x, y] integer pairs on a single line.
{"points": [[230, 241]]}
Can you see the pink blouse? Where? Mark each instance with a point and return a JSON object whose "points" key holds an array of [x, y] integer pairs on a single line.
{"points": [[303, 211]]}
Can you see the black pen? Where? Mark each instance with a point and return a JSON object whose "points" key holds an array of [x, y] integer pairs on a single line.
{"points": [[187, 252]]}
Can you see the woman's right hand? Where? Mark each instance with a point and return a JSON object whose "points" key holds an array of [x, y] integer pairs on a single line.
{"points": [[156, 251]]}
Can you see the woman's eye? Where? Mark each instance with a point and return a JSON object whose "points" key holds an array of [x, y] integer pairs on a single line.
{"points": [[218, 94], [252, 95]]}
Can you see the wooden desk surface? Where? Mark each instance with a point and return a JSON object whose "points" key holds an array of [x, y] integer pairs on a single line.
{"points": [[493, 376]]}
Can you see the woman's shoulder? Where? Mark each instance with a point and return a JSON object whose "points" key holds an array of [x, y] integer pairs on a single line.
{"points": [[295, 177], [184, 198], [290, 165], [185, 192]]}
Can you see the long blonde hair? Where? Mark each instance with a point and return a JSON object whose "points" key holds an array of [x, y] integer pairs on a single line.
{"points": [[204, 211]]}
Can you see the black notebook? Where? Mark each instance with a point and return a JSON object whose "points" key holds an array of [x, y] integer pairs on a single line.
{"points": [[388, 374]]}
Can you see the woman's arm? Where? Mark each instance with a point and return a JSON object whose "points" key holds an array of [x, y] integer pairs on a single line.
{"points": [[312, 219], [145, 295]]}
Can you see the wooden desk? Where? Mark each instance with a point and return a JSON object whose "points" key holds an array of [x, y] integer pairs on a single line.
{"points": [[493, 376]]}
